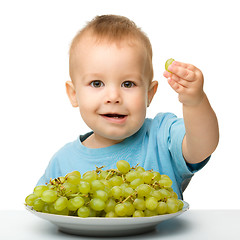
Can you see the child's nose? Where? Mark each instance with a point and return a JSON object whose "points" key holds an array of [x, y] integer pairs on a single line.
{"points": [[113, 95]]}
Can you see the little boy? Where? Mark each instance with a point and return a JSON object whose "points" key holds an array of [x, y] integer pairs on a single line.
{"points": [[112, 85]]}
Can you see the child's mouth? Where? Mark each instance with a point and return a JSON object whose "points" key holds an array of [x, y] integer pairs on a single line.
{"points": [[114, 118], [114, 115]]}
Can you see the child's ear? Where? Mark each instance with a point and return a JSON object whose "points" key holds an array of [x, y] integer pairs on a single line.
{"points": [[151, 91], [70, 89]]}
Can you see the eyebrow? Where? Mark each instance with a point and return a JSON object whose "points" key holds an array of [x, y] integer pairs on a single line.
{"points": [[134, 76], [128, 76], [92, 76]]}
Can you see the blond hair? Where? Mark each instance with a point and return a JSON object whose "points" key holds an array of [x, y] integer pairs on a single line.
{"points": [[114, 28]]}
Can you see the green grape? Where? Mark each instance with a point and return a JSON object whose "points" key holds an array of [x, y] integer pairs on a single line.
{"points": [[161, 208], [116, 181], [136, 182], [75, 173], [49, 196], [172, 208], [139, 204], [168, 63], [74, 179], [89, 176], [76, 203], [92, 213], [180, 205], [51, 187], [138, 213], [151, 203], [97, 185], [110, 214], [101, 195], [123, 166], [70, 188], [83, 212], [121, 209], [130, 176], [102, 175], [140, 169], [30, 199], [38, 205], [61, 203], [84, 187], [52, 209], [143, 190], [116, 192], [38, 190], [65, 212], [165, 193], [157, 194], [130, 208], [70, 205], [86, 199], [172, 205], [174, 195], [165, 181], [172, 200], [110, 205], [46, 208], [150, 213], [108, 191], [156, 176], [106, 183], [128, 191], [124, 185], [97, 204], [147, 177]]}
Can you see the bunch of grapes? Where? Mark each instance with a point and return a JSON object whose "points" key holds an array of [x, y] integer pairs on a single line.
{"points": [[121, 192]]}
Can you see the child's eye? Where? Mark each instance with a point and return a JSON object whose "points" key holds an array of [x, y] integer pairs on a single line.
{"points": [[128, 84], [96, 83]]}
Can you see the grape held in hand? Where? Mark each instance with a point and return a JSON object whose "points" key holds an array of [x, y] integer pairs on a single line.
{"points": [[168, 63]]}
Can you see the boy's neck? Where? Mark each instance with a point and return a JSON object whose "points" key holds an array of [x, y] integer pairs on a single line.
{"points": [[95, 141]]}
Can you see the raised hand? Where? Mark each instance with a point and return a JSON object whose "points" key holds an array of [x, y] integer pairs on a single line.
{"points": [[187, 81]]}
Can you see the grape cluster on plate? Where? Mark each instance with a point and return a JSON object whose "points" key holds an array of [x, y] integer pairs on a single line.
{"points": [[121, 192]]}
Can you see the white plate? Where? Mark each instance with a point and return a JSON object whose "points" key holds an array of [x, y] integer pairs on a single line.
{"points": [[97, 226]]}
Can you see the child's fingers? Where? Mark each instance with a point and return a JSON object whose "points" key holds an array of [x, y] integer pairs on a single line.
{"points": [[177, 79], [182, 72], [180, 81], [185, 65], [175, 85], [167, 74]]}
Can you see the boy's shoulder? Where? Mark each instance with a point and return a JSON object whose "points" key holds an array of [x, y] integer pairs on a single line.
{"points": [[69, 147], [162, 119]]}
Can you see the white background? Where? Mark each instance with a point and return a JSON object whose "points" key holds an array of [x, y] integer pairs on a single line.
{"points": [[37, 118]]}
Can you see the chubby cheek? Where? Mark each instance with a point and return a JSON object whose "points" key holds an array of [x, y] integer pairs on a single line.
{"points": [[138, 110], [139, 102], [86, 106]]}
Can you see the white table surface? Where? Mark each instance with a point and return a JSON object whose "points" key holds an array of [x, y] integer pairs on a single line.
{"points": [[193, 224]]}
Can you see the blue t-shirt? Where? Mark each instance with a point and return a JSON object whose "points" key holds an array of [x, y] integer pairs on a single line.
{"points": [[157, 145]]}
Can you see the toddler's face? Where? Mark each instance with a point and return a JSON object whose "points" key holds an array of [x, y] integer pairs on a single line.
{"points": [[110, 88]]}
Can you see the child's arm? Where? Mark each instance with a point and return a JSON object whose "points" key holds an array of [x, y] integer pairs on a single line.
{"points": [[202, 134]]}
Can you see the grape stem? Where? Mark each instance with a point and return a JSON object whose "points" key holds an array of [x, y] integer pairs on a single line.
{"points": [[99, 169], [111, 173], [130, 196]]}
